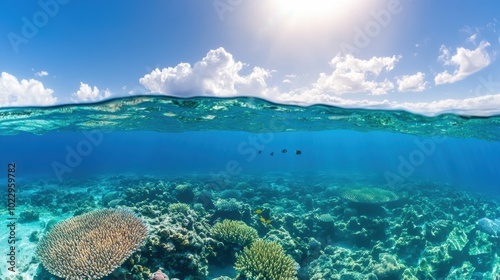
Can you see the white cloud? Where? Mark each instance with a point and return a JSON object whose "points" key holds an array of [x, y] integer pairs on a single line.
{"points": [[287, 81], [486, 105], [23, 93], [414, 82], [217, 74], [467, 62], [89, 94], [352, 75], [41, 73], [472, 38]]}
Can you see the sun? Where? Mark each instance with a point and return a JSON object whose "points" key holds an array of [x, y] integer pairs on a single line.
{"points": [[313, 9]]}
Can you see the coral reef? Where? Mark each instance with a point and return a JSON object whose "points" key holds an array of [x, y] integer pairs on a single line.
{"points": [[92, 245], [367, 194], [265, 260], [327, 231], [234, 232]]}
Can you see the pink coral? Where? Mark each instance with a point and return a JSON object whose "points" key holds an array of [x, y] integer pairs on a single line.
{"points": [[159, 275]]}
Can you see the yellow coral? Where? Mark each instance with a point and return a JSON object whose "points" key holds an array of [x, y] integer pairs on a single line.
{"points": [[265, 260]]}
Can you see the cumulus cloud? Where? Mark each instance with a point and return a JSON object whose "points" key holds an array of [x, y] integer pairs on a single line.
{"points": [[41, 73], [486, 105], [352, 75], [89, 94], [414, 82], [217, 74], [466, 62], [23, 93]]}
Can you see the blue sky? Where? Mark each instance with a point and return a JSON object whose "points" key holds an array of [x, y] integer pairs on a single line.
{"points": [[423, 56]]}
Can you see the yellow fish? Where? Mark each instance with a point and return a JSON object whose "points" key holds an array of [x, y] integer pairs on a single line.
{"points": [[258, 211], [268, 221], [262, 219]]}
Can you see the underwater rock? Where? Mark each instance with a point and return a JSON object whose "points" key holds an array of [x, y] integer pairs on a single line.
{"points": [[434, 260], [34, 236], [180, 243], [205, 198], [367, 195], [340, 263], [491, 227], [437, 231], [388, 267], [480, 245], [457, 239], [109, 197], [309, 202], [460, 273], [230, 194], [184, 193], [231, 209], [29, 215]]}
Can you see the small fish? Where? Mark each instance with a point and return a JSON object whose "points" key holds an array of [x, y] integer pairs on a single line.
{"points": [[284, 151], [258, 211], [268, 221], [262, 219], [298, 152], [272, 153], [260, 152]]}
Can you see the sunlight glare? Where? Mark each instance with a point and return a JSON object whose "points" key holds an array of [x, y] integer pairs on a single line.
{"points": [[311, 9]]}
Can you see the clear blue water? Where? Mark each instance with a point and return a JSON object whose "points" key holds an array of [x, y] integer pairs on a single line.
{"points": [[223, 142], [354, 141], [464, 163]]}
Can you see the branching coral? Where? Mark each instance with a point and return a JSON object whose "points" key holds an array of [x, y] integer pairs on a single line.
{"points": [[235, 232], [92, 245], [265, 260]]}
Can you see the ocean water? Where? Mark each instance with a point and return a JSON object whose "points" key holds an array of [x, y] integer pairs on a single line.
{"points": [[309, 178]]}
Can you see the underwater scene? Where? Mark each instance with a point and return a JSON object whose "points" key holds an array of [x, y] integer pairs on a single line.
{"points": [[158, 188]]}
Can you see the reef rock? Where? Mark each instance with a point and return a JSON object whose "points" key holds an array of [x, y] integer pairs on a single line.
{"points": [[491, 227], [367, 195]]}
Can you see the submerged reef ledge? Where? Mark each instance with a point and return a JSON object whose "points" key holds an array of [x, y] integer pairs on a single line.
{"points": [[170, 114]]}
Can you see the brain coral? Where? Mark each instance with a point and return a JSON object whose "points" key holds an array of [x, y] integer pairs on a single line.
{"points": [[265, 260], [92, 245], [368, 195], [235, 232]]}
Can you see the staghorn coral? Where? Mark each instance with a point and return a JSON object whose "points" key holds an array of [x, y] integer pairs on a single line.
{"points": [[235, 232], [92, 245], [369, 195], [265, 260]]}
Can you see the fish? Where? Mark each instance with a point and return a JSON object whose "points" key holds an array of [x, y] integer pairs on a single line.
{"points": [[258, 211], [491, 227], [260, 152], [272, 153], [284, 151], [298, 152], [268, 221], [262, 219]]}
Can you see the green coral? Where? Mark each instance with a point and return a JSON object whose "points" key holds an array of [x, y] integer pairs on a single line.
{"points": [[265, 260], [235, 232], [178, 208]]}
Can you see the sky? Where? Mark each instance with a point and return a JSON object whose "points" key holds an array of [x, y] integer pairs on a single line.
{"points": [[426, 56]]}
